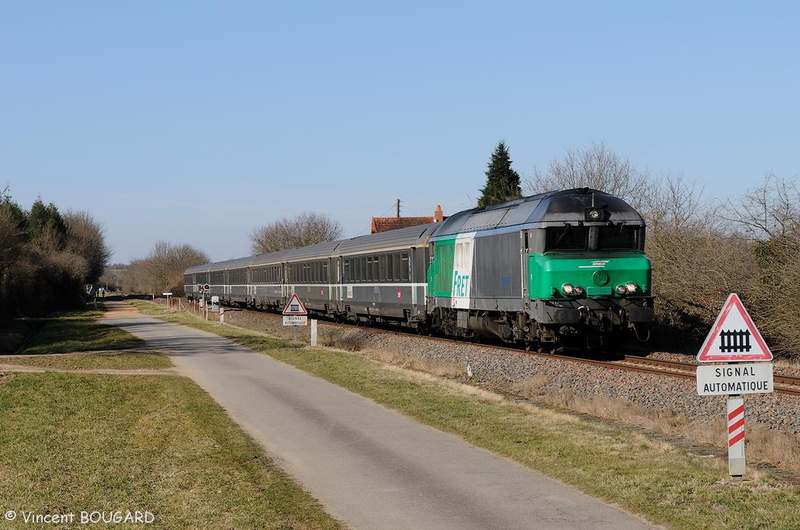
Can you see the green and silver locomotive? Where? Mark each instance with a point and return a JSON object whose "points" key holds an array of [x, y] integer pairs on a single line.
{"points": [[559, 268]]}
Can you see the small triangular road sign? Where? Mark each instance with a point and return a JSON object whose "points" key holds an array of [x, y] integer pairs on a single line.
{"points": [[295, 306], [734, 337]]}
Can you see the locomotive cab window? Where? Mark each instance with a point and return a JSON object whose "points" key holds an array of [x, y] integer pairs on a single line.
{"points": [[618, 237], [567, 237]]}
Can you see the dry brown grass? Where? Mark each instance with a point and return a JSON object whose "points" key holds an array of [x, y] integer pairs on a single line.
{"points": [[763, 445], [411, 362], [344, 339]]}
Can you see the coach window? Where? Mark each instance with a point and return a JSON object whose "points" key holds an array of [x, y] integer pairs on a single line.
{"points": [[398, 275], [404, 270]]}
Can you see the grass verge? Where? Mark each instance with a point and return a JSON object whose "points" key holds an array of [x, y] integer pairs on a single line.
{"points": [[107, 360], [75, 331], [74, 443], [667, 485]]}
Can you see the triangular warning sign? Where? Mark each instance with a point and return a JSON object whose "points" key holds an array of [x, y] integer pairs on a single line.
{"points": [[734, 337], [294, 306]]}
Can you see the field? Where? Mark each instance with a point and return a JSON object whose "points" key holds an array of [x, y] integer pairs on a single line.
{"points": [[154, 446]]}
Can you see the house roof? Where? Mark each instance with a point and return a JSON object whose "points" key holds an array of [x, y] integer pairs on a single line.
{"points": [[384, 224]]}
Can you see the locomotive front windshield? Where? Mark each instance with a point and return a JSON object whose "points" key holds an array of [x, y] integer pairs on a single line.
{"points": [[572, 238], [617, 237], [567, 238]]}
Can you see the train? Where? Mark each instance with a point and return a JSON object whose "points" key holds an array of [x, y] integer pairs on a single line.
{"points": [[559, 269]]}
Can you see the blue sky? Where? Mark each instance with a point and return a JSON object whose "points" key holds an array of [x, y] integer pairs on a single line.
{"points": [[196, 122]]}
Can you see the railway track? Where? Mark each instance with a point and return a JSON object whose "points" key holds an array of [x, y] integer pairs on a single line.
{"points": [[784, 384]]}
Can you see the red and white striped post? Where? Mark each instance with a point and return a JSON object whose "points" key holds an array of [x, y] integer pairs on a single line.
{"points": [[736, 460]]}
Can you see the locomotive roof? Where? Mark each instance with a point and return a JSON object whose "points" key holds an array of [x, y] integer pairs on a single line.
{"points": [[546, 209]]}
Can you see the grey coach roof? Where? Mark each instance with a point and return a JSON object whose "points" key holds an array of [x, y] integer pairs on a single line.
{"points": [[415, 236]]}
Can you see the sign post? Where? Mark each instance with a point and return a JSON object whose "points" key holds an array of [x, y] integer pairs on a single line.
{"points": [[736, 460], [295, 314], [734, 339]]}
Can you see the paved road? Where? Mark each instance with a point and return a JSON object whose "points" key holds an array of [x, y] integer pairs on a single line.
{"points": [[370, 467]]}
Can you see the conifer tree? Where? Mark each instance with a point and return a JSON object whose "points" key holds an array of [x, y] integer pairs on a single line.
{"points": [[502, 182]]}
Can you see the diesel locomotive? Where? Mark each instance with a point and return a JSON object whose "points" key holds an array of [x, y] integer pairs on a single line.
{"points": [[563, 268]]}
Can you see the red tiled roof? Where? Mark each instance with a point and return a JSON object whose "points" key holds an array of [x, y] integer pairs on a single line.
{"points": [[384, 224]]}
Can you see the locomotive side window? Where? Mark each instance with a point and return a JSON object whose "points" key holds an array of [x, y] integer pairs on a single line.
{"points": [[567, 237]]}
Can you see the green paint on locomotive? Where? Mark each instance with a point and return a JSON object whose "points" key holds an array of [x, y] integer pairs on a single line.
{"points": [[598, 273], [440, 271]]}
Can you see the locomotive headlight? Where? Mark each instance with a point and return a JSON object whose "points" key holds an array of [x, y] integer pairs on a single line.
{"points": [[595, 214], [631, 287], [572, 290], [620, 289]]}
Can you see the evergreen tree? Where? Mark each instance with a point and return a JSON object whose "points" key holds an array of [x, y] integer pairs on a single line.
{"points": [[46, 227], [502, 182]]}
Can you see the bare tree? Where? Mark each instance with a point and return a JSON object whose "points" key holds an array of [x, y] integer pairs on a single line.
{"points": [[306, 229], [770, 218], [85, 238], [162, 270], [594, 167], [12, 237], [770, 211]]}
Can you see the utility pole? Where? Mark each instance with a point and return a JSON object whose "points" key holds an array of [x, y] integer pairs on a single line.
{"points": [[398, 207]]}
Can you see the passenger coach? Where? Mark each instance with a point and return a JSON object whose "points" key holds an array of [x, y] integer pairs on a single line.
{"points": [[371, 278]]}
